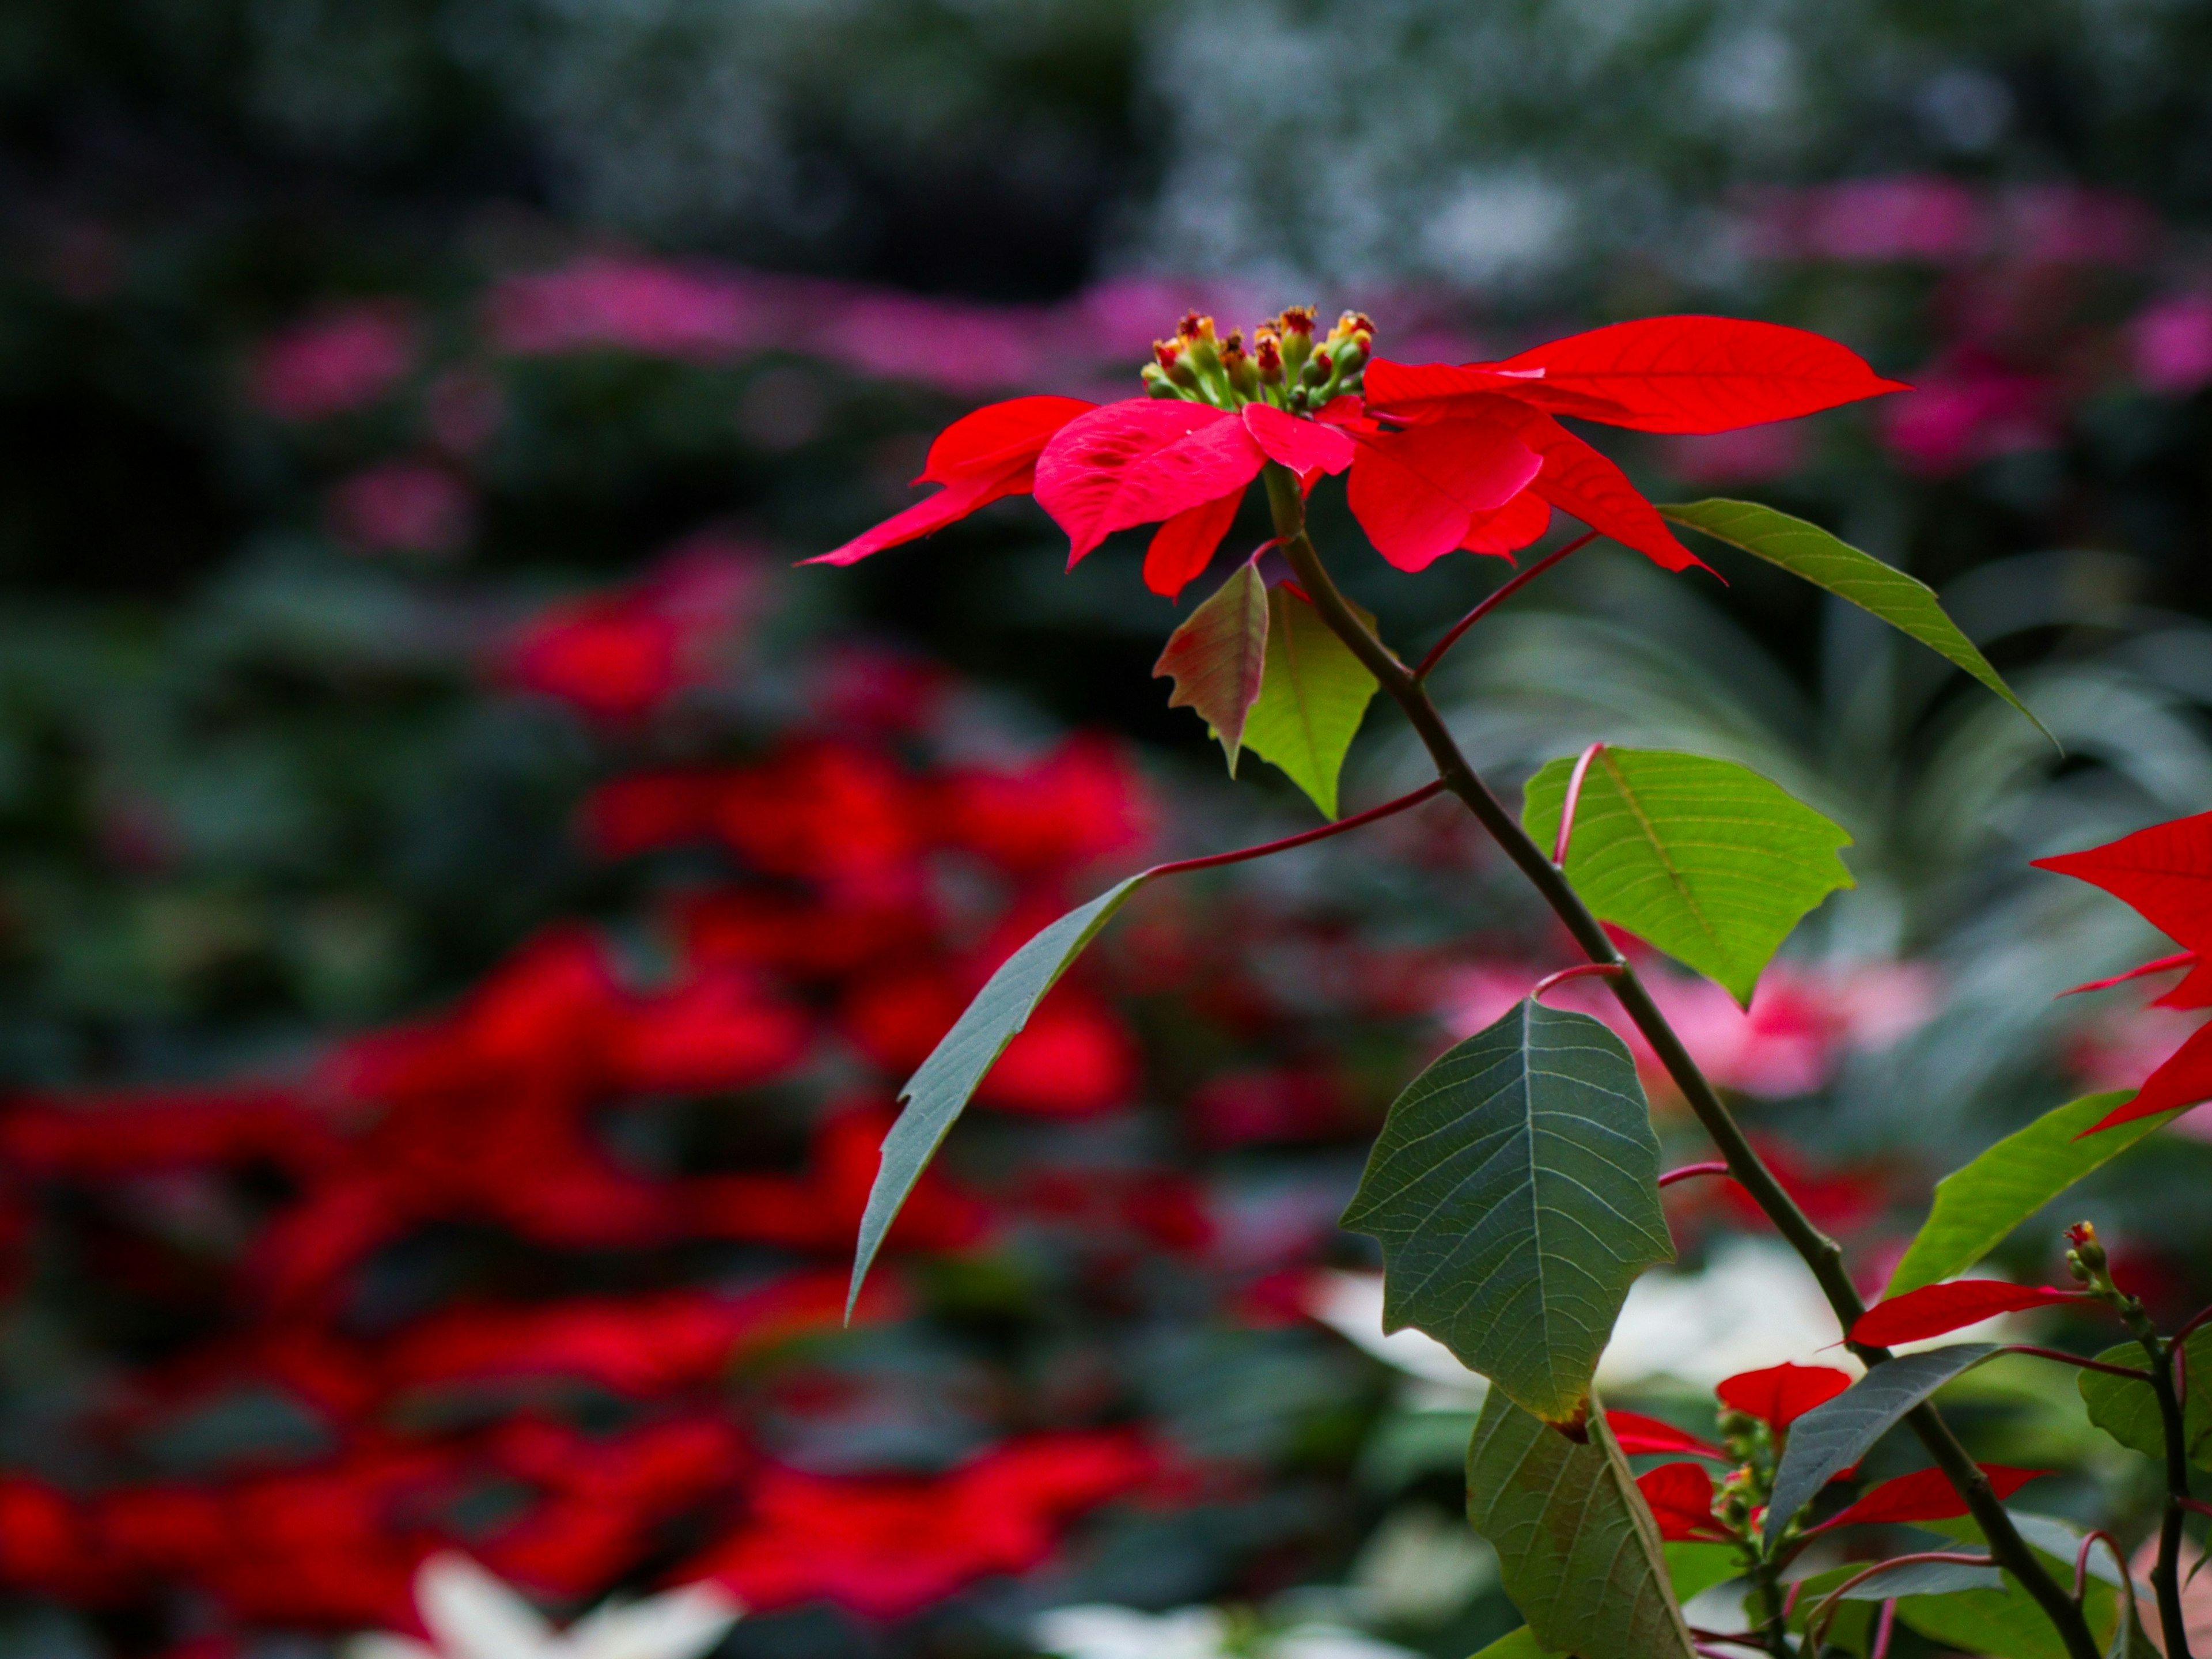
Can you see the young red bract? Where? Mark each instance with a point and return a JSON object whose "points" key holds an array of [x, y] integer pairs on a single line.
{"points": [[1441, 457]]}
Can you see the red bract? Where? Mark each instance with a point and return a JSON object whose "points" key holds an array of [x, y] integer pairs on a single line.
{"points": [[2165, 873], [1637, 1433], [1934, 1309], [1780, 1394], [1926, 1495], [1681, 1499], [979, 459]]}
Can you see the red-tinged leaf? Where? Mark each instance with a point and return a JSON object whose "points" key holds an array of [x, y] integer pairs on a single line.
{"points": [[1504, 531], [1925, 1495], [1576, 479], [2185, 1080], [1702, 373], [1416, 492], [1183, 546], [2165, 872], [998, 434], [1780, 1394], [948, 506], [1218, 657], [1428, 391], [1681, 1497], [1304, 447], [1638, 1434], [1140, 461], [1934, 1310]]}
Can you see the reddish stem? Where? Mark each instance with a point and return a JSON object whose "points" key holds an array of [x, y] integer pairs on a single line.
{"points": [[1426, 792], [2194, 1322], [2195, 1504], [1492, 601], [1580, 970], [2082, 1561], [2128, 1372], [1574, 799], [1882, 1632], [1690, 1171]]}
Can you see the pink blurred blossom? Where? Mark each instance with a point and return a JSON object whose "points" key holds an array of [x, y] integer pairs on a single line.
{"points": [[957, 348], [2126, 1045], [695, 313], [2170, 343], [1965, 411], [344, 358], [463, 410], [403, 506], [2065, 224], [1867, 220], [1801, 1023], [1753, 455]]}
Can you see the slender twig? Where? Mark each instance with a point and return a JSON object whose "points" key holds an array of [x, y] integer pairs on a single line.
{"points": [[1214, 860], [1691, 1171], [1821, 1253], [1492, 601], [1580, 970], [2191, 1325], [1572, 801], [2082, 1561], [2166, 1577], [2133, 1373], [1823, 1615], [1883, 1631], [2197, 1505]]}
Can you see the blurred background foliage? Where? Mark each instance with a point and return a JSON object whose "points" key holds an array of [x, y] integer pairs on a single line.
{"points": [[405, 412]]}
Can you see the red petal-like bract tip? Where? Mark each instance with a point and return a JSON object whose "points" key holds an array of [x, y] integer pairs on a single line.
{"points": [[1681, 1499], [1304, 447], [1428, 391], [2161, 965], [1925, 1495], [1780, 1394], [1139, 461], [1416, 492], [2195, 990], [1503, 531], [1183, 546], [1577, 479], [1638, 1434], [1934, 1310], [2185, 1080], [2165, 872], [948, 506], [997, 434], [1691, 375]]}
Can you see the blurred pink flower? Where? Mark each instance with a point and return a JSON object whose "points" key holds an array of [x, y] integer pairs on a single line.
{"points": [[2125, 1046], [1751, 454], [1878, 220], [2065, 224], [633, 305], [344, 358], [1965, 411], [406, 506], [957, 348], [463, 410], [2170, 343]]}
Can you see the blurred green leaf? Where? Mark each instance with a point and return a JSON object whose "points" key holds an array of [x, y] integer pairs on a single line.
{"points": [[1312, 699], [1692, 1568], [1514, 1190], [1805, 550], [1217, 658], [1579, 1551], [1517, 1645], [2128, 1410], [938, 1091], [1977, 1206], [1704, 859], [2003, 1624]]}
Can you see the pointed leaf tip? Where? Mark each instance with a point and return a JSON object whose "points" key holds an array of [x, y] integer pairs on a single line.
{"points": [[1218, 657], [1313, 696]]}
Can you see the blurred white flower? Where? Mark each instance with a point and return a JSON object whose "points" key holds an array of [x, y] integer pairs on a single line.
{"points": [[472, 1615], [1110, 1632], [1420, 1566]]}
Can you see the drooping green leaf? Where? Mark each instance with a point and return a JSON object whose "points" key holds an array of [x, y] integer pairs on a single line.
{"points": [[1514, 1190], [2128, 1411], [1218, 657], [1831, 1438], [940, 1089], [1694, 1568], [1805, 550], [1577, 1550], [1312, 699], [1703, 859], [1977, 1206], [2006, 1623], [1517, 1645], [2056, 1543]]}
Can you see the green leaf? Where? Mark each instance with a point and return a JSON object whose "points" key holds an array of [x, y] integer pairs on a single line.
{"points": [[1693, 1569], [1219, 656], [2005, 1624], [938, 1092], [1805, 550], [1703, 859], [1517, 1645], [1578, 1552], [2128, 1410], [2017, 1624], [1977, 1206], [1831, 1438], [1311, 700], [1514, 1189]]}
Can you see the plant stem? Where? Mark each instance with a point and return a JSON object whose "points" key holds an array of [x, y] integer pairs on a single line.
{"points": [[1821, 1253], [2166, 1577]]}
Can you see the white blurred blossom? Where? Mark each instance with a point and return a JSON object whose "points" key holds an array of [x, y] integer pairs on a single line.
{"points": [[472, 1615]]}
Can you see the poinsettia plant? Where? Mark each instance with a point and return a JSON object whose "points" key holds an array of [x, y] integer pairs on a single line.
{"points": [[1515, 1187]]}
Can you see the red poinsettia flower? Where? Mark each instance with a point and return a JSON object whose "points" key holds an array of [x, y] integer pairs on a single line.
{"points": [[2165, 872], [1780, 1394], [1441, 457]]}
